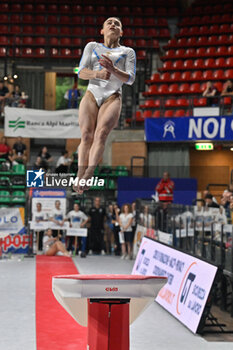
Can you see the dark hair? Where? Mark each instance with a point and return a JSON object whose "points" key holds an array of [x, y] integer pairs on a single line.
{"points": [[209, 196], [114, 17]]}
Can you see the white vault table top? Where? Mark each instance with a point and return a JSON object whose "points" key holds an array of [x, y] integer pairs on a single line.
{"points": [[72, 292]]}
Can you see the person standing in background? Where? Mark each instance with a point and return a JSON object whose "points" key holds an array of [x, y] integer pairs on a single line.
{"points": [[165, 188]]}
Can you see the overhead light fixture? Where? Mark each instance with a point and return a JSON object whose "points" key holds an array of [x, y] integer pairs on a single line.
{"points": [[231, 149], [204, 146], [5, 78], [15, 76]]}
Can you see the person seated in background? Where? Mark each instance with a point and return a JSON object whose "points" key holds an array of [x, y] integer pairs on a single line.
{"points": [[19, 151], [4, 95], [210, 92], [209, 201], [38, 216], [52, 245], [45, 158], [72, 96], [63, 163], [37, 164], [17, 97], [227, 89], [205, 192], [5, 150]]}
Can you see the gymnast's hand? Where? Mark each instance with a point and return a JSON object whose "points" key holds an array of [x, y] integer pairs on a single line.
{"points": [[107, 63], [103, 74]]}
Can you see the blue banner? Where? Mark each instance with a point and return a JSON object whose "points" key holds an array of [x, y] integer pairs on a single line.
{"points": [[189, 129], [48, 193]]}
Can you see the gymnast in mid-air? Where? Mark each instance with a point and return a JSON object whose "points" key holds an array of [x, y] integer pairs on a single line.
{"points": [[107, 66]]}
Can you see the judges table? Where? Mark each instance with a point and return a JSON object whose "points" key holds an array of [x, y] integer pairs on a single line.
{"points": [[106, 304]]}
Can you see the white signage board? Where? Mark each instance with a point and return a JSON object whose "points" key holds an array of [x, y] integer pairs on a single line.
{"points": [[189, 280]]}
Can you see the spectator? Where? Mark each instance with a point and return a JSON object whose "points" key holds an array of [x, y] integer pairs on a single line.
{"points": [[72, 96], [63, 163], [146, 219], [4, 95], [19, 151], [97, 215], [57, 216], [210, 92], [209, 201], [109, 228], [45, 158], [227, 89], [39, 216], [74, 161], [52, 245], [78, 219], [125, 221], [208, 192], [134, 223], [116, 229], [5, 150], [37, 164], [165, 188]]}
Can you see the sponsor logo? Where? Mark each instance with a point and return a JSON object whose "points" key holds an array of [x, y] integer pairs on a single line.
{"points": [[169, 126], [16, 124], [111, 289], [35, 178]]}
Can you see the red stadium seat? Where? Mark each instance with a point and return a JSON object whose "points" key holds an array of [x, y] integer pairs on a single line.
{"points": [[188, 64], [229, 74], [227, 101], [169, 113], [89, 20], [201, 52], [40, 8], [14, 29], [40, 19], [192, 41], [180, 53], [150, 11], [212, 40], [4, 18], [77, 9], [129, 42], [40, 30], [15, 7], [170, 102], [165, 77], [152, 90], [178, 65], [163, 89], [154, 44], [126, 21], [222, 40], [184, 31], [167, 65], [54, 52], [193, 31], [207, 75], [66, 53], [128, 32], [172, 43], [3, 40], [65, 30], [138, 116], [3, 29], [202, 102], [15, 40], [28, 8], [229, 62], [182, 102], [224, 28], [28, 18], [204, 30], [186, 76], [114, 10], [176, 76], [150, 22], [77, 53], [214, 29], [209, 63], [138, 21], [65, 41], [221, 51], [155, 77], [90, 31], [156, 114], [65, 19], [40, 52], [147, 114], [14, 18], [179, 113], [28, 29], [162, 22], [54, 41], [2, 51], [77, 42], [52, 8], [218, 85], [220, 62], [151, 32], [173, 89], [195, 88], [182, 42], [151, 104], [202, 41], [52, 30], [164, 33], [184, 88], [139, 32], [27, 52], [77, 31], [141, 54], [27, 40], [14, 52], [191, 52], [66, 9], [211, 51], [77, 20], [230, 50], [161, 11], [101, 10], [197, 75], [141, 43], [40, 40], [52, 19], [218, 74]]}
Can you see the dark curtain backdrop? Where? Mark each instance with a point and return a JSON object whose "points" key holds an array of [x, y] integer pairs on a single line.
{"points": [[172, 158], [33, 84]]}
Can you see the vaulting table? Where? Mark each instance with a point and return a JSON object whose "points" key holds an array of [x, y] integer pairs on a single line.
{"points": [[106, 304]]}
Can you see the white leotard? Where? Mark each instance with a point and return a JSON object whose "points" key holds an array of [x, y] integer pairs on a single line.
{"points": [[122, 57]]}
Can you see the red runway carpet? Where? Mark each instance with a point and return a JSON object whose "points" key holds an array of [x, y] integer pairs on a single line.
{"points": [[55, 328]]}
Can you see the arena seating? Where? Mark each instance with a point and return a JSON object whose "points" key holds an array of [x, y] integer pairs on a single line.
{"points": [[200, 52], [43, 22]]}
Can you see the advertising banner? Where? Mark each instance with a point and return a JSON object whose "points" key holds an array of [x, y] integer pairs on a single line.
{"points": [[47, 198], [139, 234], [189, 129], [11, 220], [189, 280], [36, 123]]}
